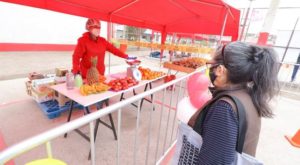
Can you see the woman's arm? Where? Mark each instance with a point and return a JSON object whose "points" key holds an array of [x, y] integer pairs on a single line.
{"points": [[77, 55], [220, 130], [114, 50]]}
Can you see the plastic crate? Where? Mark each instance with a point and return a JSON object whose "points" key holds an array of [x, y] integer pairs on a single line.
{"points": [[52, 110]]}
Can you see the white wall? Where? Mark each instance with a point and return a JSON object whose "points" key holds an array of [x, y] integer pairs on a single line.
{"points": [[22, 24]]}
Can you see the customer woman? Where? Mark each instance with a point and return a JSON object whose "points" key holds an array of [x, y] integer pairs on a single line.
{"points": [[249, 73]]}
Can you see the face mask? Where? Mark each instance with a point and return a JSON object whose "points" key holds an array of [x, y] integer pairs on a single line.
{"points": [[212, 75], [95, 32], [212, 90]]}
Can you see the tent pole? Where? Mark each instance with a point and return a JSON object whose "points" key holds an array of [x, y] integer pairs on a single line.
{"points": [[223, 28], [172, 52], [248, 24], [152, 38], [290, 39], [245, 21], [123, 7], [109, 39], [163, 39]]}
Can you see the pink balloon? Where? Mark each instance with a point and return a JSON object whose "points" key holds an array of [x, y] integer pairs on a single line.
{"points": [[199, 98], [185, 110], [197, 82]]}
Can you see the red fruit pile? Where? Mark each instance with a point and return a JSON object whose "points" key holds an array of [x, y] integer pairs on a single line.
{"points": [[169, 78], [194, 62], [148, 74], [122, 83]]}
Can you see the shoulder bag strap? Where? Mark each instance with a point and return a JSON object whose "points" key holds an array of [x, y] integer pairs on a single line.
{"points": [[241, 120]]}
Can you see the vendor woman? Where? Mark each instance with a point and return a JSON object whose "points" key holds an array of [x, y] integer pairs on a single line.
{"points": [[91, 45]]}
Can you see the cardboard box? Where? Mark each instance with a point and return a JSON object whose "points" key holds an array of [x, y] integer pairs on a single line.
{"points": [[43, 85], [60, 72], [42, 96]]}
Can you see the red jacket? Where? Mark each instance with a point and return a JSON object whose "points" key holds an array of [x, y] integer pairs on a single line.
{"points": [[87, 48]]}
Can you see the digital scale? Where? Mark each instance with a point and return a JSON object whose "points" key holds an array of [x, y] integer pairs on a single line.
{"points": [[132, 70]]}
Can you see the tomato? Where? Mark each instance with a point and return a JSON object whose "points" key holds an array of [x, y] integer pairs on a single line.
{"points": [[130, 84], [122, 84]]}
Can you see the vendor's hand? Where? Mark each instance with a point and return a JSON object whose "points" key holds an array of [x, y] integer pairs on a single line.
{"points": [[130, 57], [75, 72]]}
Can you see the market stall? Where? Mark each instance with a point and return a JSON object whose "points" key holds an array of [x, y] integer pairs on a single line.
{"points": [[215, 16], [54, 96], [196, 17]]}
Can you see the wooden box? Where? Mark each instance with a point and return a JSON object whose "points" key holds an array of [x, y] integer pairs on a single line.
{"points": [[171, 66]]}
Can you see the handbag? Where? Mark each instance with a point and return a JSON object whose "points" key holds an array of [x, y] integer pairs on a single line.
{"points": [[189, 140]]}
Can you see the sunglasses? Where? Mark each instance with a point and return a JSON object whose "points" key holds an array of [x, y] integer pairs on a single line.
{"points": [[210, 65], [214, 64], [223, 55]]}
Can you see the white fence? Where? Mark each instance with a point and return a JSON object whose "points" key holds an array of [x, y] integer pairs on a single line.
{"points": [[164, 139]]}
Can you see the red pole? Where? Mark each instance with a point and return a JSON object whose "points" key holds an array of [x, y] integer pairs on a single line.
{"points": [[264, 34]]}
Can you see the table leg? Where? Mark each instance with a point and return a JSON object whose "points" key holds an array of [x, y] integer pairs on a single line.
{"points": [[122, 97], [141, 105], [106, 102], [98, 121], [87, 111], [134, 92], [70, 114], [113, 126], [152, 101], [111, 120], [150, 86], [70, 111], [99, 105]]}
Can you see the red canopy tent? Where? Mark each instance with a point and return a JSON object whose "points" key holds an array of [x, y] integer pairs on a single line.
{"points": [[175, 16], [182, 16]]}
